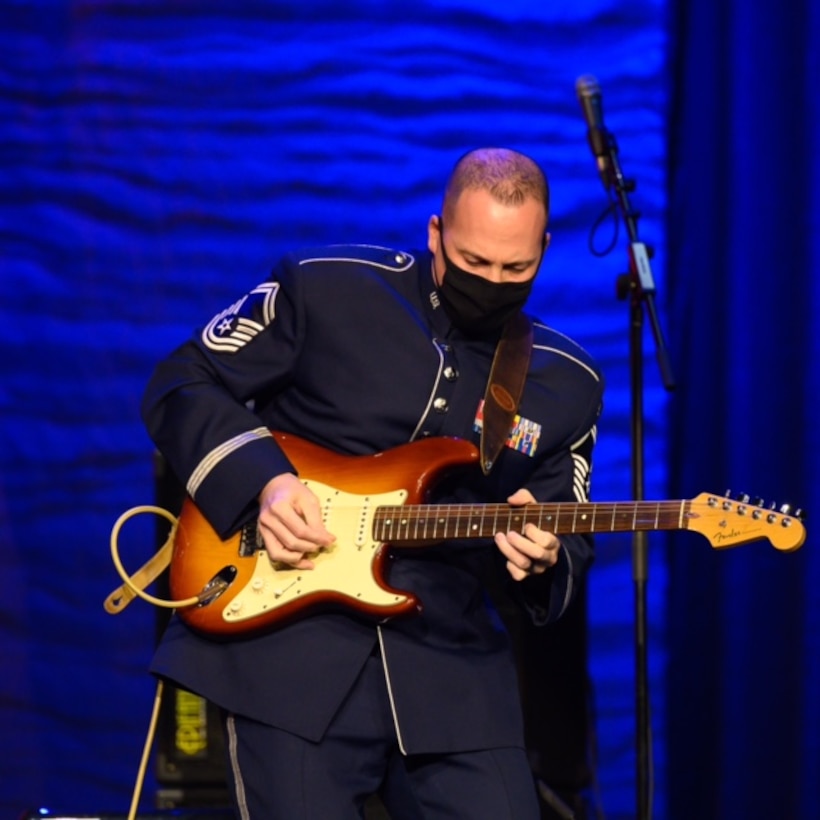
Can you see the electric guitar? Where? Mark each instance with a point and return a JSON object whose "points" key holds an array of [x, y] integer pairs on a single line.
{"points": [[373, 501]]}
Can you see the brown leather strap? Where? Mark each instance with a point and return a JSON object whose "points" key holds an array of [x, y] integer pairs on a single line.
{"points": [[504, 387]]}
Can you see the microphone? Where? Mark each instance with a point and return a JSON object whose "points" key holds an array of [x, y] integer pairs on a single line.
{"points": [[589, 95]]}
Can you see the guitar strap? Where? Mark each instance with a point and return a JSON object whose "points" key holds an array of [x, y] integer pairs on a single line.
{"points": [[504, 387]]}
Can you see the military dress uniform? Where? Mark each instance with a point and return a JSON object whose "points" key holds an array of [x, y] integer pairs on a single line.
{"points": [[349, 348]]}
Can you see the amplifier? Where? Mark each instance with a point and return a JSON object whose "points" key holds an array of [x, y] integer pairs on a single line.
{"points": [[190, 743]]}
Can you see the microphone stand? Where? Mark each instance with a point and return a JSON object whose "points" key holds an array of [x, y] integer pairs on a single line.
{"points": [[638, 285]]}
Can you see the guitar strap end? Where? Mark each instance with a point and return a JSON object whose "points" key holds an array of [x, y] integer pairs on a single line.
{"points": [[142, 578]]}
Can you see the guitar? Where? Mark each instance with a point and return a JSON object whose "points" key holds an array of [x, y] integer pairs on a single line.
{"points": [[371, 501]]}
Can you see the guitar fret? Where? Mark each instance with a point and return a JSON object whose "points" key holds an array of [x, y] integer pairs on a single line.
{"points": [[515, 521], [435, 527]]}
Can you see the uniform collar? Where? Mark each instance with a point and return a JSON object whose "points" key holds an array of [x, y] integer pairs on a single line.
{"points": [[433, 309]]}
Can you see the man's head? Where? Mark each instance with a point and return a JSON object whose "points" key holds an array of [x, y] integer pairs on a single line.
{"points": [[489, 240]]}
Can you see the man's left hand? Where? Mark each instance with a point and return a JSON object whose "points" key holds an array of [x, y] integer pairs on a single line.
{"points": [[532, 552]]}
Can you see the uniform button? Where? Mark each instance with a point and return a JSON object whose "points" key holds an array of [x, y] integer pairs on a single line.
{"points": [[440, 405], [450, 373]]}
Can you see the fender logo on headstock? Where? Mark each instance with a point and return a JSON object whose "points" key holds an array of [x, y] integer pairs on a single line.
{"points": [[720, 537]]}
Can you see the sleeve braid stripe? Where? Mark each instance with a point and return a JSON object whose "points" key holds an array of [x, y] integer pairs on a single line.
{"points": [[219, 454]]}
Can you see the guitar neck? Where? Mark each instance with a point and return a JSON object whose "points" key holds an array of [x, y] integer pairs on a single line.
{"points": [[420, 522]]}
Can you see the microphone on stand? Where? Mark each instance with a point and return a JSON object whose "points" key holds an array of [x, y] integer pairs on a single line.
{"points": [[600, 140], [639, 287]]}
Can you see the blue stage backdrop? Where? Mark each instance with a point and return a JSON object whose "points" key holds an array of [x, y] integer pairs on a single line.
{"points": [[156, 158]]}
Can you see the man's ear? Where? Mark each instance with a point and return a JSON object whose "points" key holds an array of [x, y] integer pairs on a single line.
{"points": [[433, 233]]}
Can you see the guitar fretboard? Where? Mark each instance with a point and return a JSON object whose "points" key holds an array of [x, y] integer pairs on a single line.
{"points": [[419, 522]]}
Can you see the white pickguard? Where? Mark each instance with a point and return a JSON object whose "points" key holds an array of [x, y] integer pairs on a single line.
{"points": [[345, 567]]}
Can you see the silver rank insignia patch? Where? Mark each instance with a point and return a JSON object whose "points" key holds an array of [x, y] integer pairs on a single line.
{"points": [[232, 329]]}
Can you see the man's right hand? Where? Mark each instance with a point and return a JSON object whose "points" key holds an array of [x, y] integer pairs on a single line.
{"points": [[290, 522]]}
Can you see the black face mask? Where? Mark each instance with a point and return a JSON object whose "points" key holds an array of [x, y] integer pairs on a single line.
{"points": [[475, 305]]}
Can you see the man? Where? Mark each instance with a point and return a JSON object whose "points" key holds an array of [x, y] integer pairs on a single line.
{"points": [[360, 350]]}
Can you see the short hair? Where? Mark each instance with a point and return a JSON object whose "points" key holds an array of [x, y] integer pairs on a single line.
{"points": [[509, 176]]}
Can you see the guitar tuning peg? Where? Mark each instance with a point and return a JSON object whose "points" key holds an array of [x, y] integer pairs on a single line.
{"points": [[799, 514], [758, 501], [728, 494], [786, 509], [744, 499]]}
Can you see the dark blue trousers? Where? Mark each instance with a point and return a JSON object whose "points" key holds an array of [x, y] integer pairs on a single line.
{"points": [[278, 776]]}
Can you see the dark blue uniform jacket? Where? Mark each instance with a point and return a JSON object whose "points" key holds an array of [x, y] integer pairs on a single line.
{"points": [[348, 347]]}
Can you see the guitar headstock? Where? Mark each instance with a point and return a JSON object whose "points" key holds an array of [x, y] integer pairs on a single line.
{"points": [[729, 522]]}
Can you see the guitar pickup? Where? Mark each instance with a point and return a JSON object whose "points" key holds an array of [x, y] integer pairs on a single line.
{"points": [[250, 540]]}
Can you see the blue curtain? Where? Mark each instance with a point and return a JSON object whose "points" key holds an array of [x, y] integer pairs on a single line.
{"points": [[744, 292]]}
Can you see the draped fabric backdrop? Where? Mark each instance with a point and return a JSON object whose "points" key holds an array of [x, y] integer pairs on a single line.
{"points": [[157, 157], [744, 291]]}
